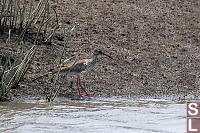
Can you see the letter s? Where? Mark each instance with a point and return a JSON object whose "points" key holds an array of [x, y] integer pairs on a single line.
{"points": [[193, 108]]}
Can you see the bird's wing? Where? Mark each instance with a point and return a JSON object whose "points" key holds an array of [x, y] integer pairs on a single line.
{"points": [[55, 70], [74, 66]]}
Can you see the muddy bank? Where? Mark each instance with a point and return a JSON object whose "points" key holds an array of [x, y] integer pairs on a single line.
{"points": [[155, 46]]}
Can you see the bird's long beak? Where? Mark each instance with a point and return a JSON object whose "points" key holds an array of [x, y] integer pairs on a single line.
{"points": [[107, 55]]}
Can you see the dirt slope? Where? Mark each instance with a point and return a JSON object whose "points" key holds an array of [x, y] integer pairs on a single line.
{"points": [[155, 45]]}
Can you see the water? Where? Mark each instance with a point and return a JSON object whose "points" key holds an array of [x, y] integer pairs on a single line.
{"points": [[94, 116]]}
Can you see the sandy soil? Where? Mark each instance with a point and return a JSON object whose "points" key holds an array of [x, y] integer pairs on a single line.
{"points": [[155, 45]]}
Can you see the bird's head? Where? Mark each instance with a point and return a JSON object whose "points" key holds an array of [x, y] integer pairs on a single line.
{"points": [[99, 52]]}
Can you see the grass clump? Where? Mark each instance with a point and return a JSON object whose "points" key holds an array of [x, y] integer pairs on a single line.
{"points": [[18, 16], [14, 69]]}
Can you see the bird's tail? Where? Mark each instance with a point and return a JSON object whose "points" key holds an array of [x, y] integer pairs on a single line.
{"points": [[43, 75], [36, 78], [52, 71]]}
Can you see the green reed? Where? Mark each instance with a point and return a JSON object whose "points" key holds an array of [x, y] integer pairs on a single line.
{"points": [[21, 15], [14, 71], [54, 90]]}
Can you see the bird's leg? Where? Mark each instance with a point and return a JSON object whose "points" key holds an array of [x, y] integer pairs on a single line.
{"points": [[83, 88], [78, 86]]}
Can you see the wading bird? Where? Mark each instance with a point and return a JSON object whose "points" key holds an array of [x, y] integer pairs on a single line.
{"points": [[80, 67]]}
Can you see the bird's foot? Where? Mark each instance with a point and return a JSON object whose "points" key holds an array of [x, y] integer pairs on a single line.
{"points": [[86, 94], [89, 95], [80, 95]]}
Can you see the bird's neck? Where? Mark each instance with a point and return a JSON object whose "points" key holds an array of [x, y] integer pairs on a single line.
{"points": [[93, 62], [94, 59], [90, 65]]}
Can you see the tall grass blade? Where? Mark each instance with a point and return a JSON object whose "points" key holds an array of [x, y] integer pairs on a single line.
{"points": [[7, 11], [47, 16], [60, 64], [2, 11], [54, 29], [22, 14], [11, 13], [30, 9]]}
